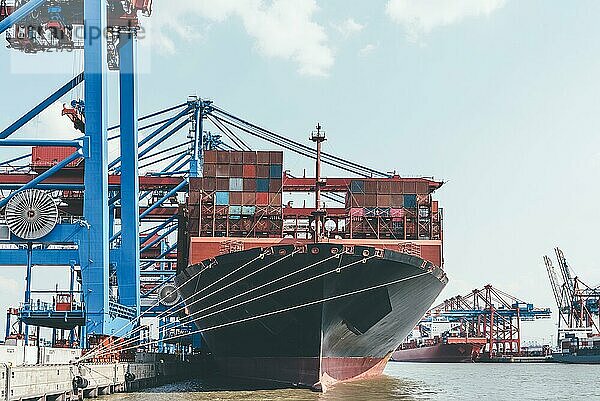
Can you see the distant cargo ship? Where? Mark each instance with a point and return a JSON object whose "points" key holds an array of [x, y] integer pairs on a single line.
{"points": [[575, 350], [441, 352], [437, 339], [275, 304]]}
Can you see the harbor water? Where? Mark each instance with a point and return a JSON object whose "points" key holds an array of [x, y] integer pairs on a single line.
{"points": [[414, 381]]}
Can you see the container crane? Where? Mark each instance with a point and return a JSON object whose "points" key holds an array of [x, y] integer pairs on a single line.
{"points": [[577, 303]]}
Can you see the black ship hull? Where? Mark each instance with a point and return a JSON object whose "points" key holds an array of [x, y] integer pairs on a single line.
{"points": [[308, 316]]}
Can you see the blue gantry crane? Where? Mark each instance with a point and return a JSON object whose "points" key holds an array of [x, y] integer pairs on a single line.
{"points": [[108, 263]]}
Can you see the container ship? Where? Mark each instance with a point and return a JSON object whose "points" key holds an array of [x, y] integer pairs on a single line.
{"points": [[305, 296], [578, 350], [437, 339]]}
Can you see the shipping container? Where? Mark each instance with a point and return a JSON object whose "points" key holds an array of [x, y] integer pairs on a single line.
{"points": [[370, 187], [237, 158], [262, 185], [222, 198], [263, 158], [248, 210], [276, 171], [210, 184], [384, 187], [236, 198], [248, 198], [223, 157], [236, 184], [262, 198], [210, 170], [236, 170], [222, 170], [276, 157], [210, 157], [396, 187], [263, 171], [410, 201], [357, 186], [235, 210], [249, 184], [249, 171], [275, 185], [222, 184], [249, 157], [48, 156]]}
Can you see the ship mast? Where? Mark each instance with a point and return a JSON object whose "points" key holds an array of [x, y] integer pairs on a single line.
{"points": [[318, 137]]}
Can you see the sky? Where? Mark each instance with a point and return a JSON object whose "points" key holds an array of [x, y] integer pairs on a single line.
{"points": [[498, 98]]}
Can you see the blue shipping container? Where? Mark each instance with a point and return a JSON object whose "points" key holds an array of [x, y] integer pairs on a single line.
{"points": [[235, 210], [357, 186], [276, 170], [262, 185], [222, 198], [410, 201], [248, 210], [236, 184]]}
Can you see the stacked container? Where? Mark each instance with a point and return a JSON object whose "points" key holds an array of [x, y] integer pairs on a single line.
{"points": [[239, 195], [390, 208]]}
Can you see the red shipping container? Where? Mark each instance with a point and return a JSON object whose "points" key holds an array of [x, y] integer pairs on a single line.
{"points": [[48, 156], [249, 171], [222, 170], [249, 198], [222, 184], [397, 213], [223, 157], [275, 200], [410, 187], [236, 199], [237, 157], [249, 158], [210, 170], [434, 207], [210, 157], [236, 170], [276, 157], [384, 200], [263, 171], [250, 184], [263, 158], [275, 185], [357, 212], [262, 198]]}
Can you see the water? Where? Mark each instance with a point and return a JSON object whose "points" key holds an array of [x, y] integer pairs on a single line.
{"points": [[416, 381]]}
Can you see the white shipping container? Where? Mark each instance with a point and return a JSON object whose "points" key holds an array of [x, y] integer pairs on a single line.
{"points": [[30, 355], [12, 355], [18, 355], [58, 356]]}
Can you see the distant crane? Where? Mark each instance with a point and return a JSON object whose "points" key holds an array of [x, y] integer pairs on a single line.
{"points": [[491, 317], [578, 303]]}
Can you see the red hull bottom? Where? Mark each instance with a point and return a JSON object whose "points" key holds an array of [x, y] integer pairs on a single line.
{"points": [[303, 372]]}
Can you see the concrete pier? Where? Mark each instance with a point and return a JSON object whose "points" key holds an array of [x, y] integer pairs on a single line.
{"points": [[76, 382]]}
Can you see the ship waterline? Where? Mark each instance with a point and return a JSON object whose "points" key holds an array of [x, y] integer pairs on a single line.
{"points": [[308, 315]]}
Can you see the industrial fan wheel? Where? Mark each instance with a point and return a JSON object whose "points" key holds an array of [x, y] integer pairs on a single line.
{"points": [[31, 214]]}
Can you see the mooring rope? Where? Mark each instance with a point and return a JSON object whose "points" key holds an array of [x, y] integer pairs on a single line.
{"points": [[288, 309]]}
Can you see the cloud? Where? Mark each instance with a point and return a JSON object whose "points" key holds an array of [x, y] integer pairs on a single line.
{"points": [[368, 49], [50, 124], [423, 16], [282, 29], [348, 27]]}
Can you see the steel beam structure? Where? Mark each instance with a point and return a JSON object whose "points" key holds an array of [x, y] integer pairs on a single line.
{"points": [[128, 270], [95, 258]]}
